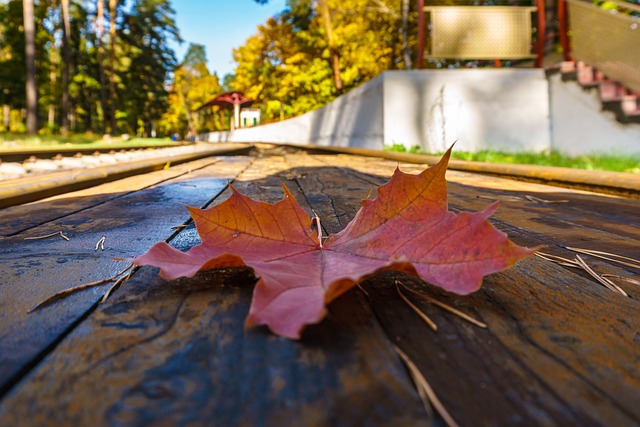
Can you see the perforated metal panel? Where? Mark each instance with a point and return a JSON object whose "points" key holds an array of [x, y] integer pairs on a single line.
{"points": [[480, 32], [608, 40]]}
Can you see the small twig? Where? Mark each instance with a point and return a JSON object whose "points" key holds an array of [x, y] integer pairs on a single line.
{"points": [[447, 307], [57, 233], [424, 389], [603, 280], [608, 256], [178, 227], [75, 289], [100, 243], [419, 312]]}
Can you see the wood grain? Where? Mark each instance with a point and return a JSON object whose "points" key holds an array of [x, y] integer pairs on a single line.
{"points": [[32, 270], [559, 349]]}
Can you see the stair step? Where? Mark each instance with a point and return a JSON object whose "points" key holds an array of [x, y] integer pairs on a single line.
{"points": [[589, 76], [630, 105], [568, 71], [611, 91], [567, 67]]}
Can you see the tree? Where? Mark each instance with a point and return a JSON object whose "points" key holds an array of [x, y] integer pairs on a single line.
{"points": [[331, 42], [325, 13], [405, 35], [100, 39], [303, 61], [113, 6], [147, 29], [12, 60], [66, 49], [30, 60], [193, 85]]}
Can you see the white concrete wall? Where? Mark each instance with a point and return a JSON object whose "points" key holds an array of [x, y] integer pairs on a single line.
{"points": [[354, 119], [500, 109], [579, 126]]}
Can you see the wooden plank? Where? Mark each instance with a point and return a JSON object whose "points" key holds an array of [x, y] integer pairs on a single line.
{"points": [[557, 341], [544, 360], [559, 348], [31, 188], [617, 183], [167, 353], [585, 220], [31, 270], [16, 219]]}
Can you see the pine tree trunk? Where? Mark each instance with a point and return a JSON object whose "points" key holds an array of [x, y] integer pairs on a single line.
{"points": [[333, 50], [405, 35], [6, 117], [30, 59], [66, 49], [103, 95], [53, 81], [112, 62]]}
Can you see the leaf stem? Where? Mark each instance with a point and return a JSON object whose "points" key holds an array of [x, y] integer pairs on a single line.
{"points": [[316, 221]]}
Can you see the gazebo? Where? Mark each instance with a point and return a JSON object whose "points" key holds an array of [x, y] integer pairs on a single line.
{"points": [[233, 99]]}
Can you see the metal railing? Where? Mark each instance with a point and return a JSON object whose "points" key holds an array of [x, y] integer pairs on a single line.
{"points": [[608, 39], [482, 32]]}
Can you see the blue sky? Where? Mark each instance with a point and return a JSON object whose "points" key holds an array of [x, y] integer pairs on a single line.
{"points": [[220, 25]]}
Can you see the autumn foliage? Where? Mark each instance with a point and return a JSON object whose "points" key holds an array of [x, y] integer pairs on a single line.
{"points": [[407, 227]]}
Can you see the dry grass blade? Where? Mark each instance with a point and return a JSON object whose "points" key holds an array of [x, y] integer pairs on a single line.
{"points": [[100, 243], [538, 200], [448, 308], [66, 292], [424, 389], [557, 259], [419, 312], [603, 280], [502, 198], [178, 227], [609, 257], [626, 279], [116, 285], [46, 236], [364, 291]]}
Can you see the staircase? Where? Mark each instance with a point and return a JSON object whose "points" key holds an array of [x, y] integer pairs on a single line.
{"points": [[614, 96]]}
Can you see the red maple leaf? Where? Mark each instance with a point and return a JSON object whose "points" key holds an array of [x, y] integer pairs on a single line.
{"points": [[407, 227]]}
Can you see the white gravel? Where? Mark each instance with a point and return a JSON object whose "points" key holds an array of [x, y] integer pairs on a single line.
{"points": [[11, 170]]}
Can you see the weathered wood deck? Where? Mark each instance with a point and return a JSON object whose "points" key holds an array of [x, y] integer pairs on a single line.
{"points": [[559, 349]]}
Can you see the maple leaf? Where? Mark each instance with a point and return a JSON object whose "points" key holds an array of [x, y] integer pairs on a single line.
{"points": [[407, 227]]}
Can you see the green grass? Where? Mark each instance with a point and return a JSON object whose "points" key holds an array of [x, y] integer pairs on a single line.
{"points": [[629, 164], [17, 141], [611, 163]]}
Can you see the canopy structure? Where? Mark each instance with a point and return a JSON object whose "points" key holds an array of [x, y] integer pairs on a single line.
{"points": [[233, 99]]}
